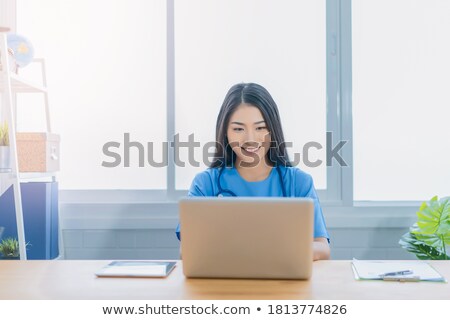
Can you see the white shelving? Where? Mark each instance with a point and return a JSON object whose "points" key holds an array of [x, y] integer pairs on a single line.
{"points": [[10, 84], [19, 84]]}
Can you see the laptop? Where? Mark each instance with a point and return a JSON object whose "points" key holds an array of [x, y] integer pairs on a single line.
{"points": [[247, 237]]}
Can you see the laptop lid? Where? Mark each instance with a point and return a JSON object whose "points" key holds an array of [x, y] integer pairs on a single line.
{"points": [[247, 237]]}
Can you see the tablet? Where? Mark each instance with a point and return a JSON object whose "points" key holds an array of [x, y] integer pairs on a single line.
{"points": [[151, 269]]}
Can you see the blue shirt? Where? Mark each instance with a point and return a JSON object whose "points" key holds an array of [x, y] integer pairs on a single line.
{"points": [[297, 184]]}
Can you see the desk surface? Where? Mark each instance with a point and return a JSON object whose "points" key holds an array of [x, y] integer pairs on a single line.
{"points": [[75, 279]]}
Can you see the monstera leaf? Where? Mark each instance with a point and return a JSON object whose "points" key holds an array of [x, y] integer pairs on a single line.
{"points": [[429, 237], [433, 221], [422, 250]]}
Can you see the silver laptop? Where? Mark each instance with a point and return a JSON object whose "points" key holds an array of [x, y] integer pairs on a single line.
{"points": [[247, 237]]}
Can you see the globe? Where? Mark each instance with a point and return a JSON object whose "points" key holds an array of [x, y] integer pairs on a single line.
{"points": [[22, 47]]}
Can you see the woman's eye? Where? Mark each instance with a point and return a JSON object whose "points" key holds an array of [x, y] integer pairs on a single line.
{"points": [[261, 128], [237, 129]]}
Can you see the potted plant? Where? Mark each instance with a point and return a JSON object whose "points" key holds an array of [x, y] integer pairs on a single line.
{"points": [[4, 148], [9, 248], [429, 237]]}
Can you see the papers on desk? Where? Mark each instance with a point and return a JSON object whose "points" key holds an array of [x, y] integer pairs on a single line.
{"points": [[136, 269], [395, 271]]}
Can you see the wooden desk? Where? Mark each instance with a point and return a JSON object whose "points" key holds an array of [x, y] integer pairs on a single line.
{"points": [[75, 279]]}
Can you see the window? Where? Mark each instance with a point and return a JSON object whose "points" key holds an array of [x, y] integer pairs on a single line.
{"points": [[400, 99], [106, 74], [278, 44], [109, 66]]}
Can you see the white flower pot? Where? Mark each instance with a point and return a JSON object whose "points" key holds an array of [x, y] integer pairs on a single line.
{"points": [[5, 159]]}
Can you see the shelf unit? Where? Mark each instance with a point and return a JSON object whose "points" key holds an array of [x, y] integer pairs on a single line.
{"points": [[21, 85], [11, 84]]}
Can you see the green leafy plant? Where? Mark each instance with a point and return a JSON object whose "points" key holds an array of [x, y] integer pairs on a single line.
{"points": [[4, 136], [429, 237], [9, 248]]}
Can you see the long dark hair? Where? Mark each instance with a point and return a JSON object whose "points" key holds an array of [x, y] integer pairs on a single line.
{"points": [[255, 95]]}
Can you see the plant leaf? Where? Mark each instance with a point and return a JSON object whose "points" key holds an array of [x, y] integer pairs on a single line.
{"points": [[9, 247], [444, 227], [422, 250], [4, 138], [433, 240], [434, 219]]}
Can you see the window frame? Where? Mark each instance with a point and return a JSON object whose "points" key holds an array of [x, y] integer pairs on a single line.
{"points": [[339, 190], [338, 90]]}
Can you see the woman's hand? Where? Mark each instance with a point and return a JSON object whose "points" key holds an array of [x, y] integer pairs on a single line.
{"points": [[321, 249]]}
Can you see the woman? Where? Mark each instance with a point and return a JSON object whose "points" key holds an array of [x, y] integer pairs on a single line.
{"points": [[251, 160]]}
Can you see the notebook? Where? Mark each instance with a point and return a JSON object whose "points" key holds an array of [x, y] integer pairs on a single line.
{"points": [[156, 269], [395, 270]]}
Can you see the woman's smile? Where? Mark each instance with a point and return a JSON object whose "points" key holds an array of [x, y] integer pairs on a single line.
{"points": [[250, 150]]}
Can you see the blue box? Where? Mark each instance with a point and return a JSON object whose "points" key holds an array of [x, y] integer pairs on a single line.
{"points": [[40, 216]]}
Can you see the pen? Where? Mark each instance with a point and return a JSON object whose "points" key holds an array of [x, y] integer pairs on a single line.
{"points": [[396, 273]]}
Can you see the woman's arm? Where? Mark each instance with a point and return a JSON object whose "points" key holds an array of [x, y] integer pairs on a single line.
{"points": [[321, 249]]}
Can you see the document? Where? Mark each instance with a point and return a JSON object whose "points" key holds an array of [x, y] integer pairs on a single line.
{"points": [[136, 269], [395, 271]]}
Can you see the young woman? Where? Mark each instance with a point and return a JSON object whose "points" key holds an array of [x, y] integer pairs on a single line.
{"points": [[251, 159]]}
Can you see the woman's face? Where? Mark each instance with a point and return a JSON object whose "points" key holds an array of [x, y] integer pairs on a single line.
{"points": [[248, 135]]}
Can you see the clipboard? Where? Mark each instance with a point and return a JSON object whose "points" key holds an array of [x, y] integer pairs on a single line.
{"points": [[137, 269], [403, 271]]}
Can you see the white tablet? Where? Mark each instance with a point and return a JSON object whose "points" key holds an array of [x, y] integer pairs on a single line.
{"points": [[144, 268]]}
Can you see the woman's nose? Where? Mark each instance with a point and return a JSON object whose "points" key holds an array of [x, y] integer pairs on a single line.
{"points": [[250, 135]]}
